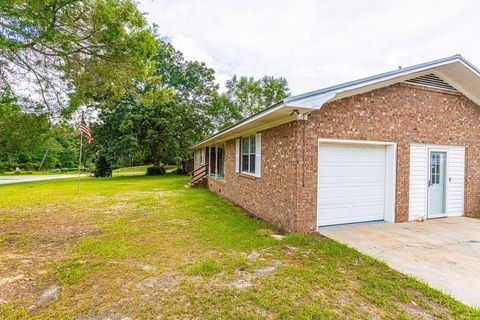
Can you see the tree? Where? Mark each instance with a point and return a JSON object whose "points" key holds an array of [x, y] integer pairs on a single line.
{"points": [[247, 96], [192, 82], [178, 107], [164, 117], [73, 52], [20, 132], [102, 168]]}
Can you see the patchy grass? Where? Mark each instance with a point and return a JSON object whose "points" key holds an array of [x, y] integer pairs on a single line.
{"points": [[72, 271], [147, 247], [207, 267]]}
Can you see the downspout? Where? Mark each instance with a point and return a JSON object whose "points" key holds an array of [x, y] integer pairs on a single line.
{"points": [[300, 131], [304, 151], [312, 104]]}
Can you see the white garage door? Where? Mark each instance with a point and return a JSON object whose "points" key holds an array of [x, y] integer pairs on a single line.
{"points": [[351, 183]]}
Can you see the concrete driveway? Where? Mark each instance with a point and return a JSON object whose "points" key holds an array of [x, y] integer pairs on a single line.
{"points": [[445, 252]]}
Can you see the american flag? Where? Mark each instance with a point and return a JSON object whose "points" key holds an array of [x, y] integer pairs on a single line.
{"points": [[84, 129]]}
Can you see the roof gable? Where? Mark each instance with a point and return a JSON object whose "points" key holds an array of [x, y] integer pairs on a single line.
{"points": [[454, 70]]}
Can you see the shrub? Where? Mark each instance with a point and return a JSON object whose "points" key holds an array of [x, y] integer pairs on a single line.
{"points": [[26, 166], [156, 170], [103, 168]]}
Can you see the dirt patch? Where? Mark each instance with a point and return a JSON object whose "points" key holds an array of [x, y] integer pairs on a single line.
{"points": [[118, 207], [14, 287], [35, 244], [132, 194], [246, 279], [181, 222], [8, 280], [115, 316], [418, 312], [166, 282], [240, 284], [264, 271]]}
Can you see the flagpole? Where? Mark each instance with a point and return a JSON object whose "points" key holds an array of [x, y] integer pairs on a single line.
{"points": [[80, 158]]}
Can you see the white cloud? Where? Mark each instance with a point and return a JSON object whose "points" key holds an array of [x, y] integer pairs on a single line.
{"points": [[316, 43], [190, 49]]}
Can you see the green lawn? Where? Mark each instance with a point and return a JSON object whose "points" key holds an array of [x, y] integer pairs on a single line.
{"points": [[147, 247]]}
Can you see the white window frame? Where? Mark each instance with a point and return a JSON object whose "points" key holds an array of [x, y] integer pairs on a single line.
{"points": [[256, 153]]}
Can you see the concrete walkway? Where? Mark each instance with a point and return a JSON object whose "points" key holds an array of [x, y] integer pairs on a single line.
{"points": [[445, 252], [19, 178]]}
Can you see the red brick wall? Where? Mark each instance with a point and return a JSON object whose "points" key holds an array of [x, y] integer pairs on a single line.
{"points": [[272, 196], [286, 193]]}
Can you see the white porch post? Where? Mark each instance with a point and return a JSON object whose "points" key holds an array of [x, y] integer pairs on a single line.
{"points": [[209, 159], [216, 162]]}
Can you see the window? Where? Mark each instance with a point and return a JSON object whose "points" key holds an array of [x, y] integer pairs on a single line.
{"points": [[248, 154], [435, 169]]}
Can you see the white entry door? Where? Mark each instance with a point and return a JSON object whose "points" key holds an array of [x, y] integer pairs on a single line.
{"points": [[437, 184], [437, 181], [351, 183]]}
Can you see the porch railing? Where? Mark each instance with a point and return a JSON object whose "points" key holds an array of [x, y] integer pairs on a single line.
{"points": [[198, 174]]}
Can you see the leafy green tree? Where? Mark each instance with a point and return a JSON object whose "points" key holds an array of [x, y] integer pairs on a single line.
{"points": [[73, 52], [163, 118], [103, 168], [192, 82], [247, 96], [116, 133], [20, 132]]}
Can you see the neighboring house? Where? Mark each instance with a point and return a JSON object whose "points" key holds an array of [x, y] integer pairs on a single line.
{"points": [[402, 145]]}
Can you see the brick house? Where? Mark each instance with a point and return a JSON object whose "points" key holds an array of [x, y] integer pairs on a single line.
{"points": [[399, 146]]}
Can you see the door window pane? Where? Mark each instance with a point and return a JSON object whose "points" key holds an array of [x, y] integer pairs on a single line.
{"points": [[437, 188]]}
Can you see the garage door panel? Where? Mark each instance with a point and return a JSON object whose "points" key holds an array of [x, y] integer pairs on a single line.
{"points": [[363, 201], [346, 175], [336, 182], [349, 171], [351, 183], [352, 199]]}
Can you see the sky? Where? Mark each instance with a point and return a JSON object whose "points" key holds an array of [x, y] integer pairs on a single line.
{"points": [[315, 44]]}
